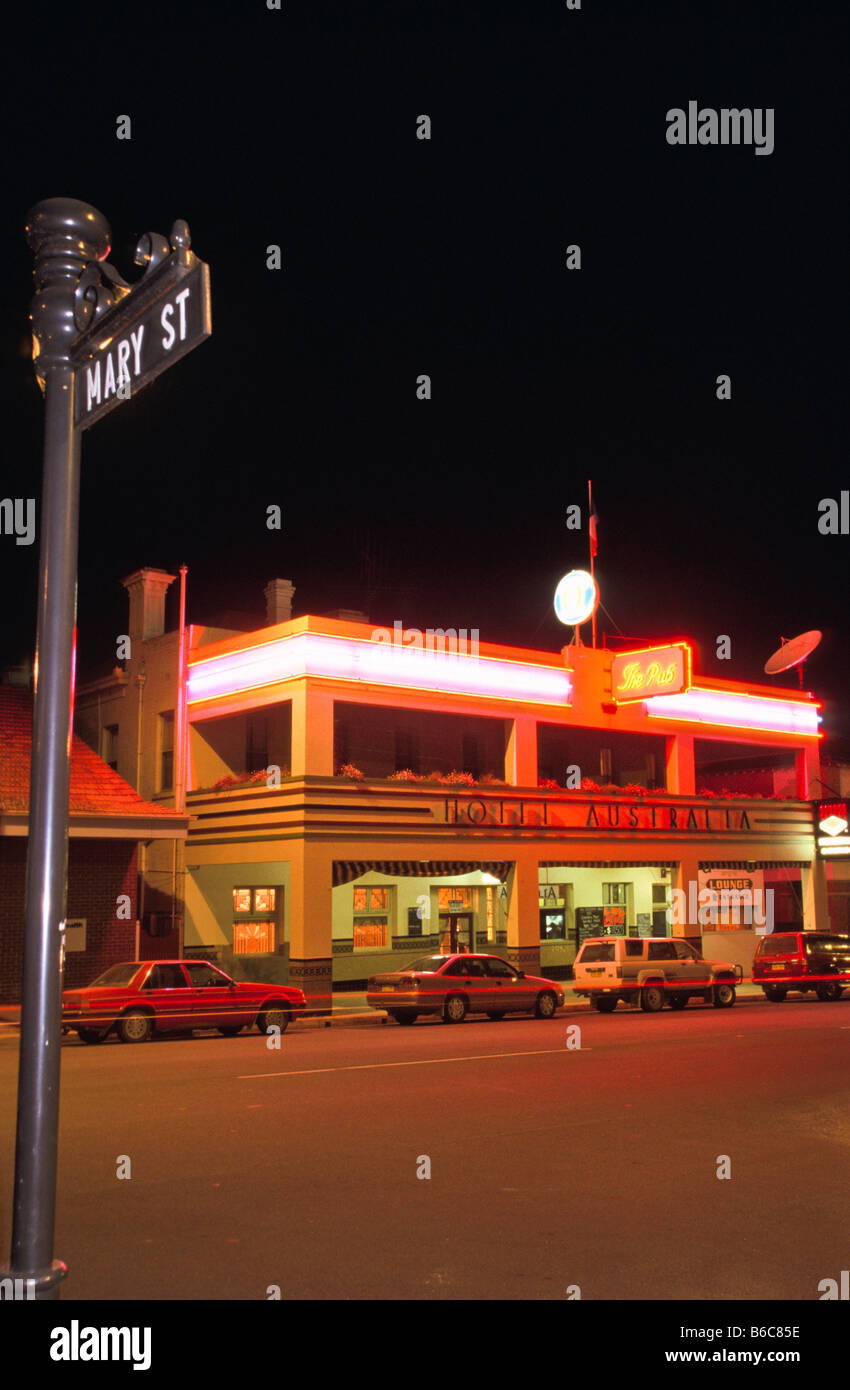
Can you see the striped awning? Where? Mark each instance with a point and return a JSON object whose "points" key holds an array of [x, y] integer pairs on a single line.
{"points": [[345, 870], [754, 864], [606, 864]]}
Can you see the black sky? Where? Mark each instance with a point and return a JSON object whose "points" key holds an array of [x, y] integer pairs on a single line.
{"points": [[446, 257]]}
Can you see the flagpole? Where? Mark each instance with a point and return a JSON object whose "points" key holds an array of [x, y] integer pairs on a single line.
{"points": [[590, 543]]}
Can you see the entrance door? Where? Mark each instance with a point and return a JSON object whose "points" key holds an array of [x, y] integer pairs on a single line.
{"points": [[455, 932]]}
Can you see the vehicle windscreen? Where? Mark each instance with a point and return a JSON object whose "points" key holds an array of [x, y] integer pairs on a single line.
{"points": [[595, 951], [427, 963], [117, 974]]}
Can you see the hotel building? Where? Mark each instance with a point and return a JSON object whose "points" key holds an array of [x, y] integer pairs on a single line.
{"points": [[575, 793]]}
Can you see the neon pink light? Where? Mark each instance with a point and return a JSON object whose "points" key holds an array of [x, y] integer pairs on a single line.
{"points": [[377, 663], [742, 711]]}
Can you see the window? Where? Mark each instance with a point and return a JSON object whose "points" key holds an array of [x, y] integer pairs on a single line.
{"points": [[202, 976], [406, 750], [615, 893], [370, 935], [634, 948], [371, 899], [166, 751], [597, 951], [254, 899], [253, 938], [605, 763], [454, 899], [371, 918], [661, 950], [256, 744], [684, 951], [471, 755], [166, 977], [500, 969], [109, 745]]}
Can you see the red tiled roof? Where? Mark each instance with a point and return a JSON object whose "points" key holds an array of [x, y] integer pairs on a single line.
{"points": [[95, 788]]}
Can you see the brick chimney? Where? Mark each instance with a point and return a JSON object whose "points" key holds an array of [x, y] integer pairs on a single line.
{"points": [[147, 589], [278, 594]]}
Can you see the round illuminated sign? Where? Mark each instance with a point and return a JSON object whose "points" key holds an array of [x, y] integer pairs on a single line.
{"points": [[576, 597]]}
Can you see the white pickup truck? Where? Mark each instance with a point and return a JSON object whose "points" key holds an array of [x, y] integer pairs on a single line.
{"points": [[652, 971]]}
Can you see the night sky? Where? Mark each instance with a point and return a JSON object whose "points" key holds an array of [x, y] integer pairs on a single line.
{"points": [[447, 257]]}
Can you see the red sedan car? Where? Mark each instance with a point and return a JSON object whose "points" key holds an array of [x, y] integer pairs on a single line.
{"points": [[456, 985], [140, 998]]}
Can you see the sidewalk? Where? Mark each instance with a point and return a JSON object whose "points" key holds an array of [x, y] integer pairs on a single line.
{"points": [[352, 1010]]}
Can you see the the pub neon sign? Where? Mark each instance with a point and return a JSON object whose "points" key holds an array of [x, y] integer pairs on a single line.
{"points": [[652, 671]]}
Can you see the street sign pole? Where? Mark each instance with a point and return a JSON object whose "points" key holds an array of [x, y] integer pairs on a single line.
{"points": [[80, 308]]}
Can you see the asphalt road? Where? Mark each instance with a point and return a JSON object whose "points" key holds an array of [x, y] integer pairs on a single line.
{"points": [[549, 1167]]}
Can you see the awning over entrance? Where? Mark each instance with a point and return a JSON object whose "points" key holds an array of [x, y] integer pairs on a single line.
{"points": [[347, 869]]}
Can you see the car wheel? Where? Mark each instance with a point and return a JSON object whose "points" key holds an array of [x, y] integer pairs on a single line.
{"points": [[603, 1003], [273, 1017], [135, 1027], [775, 993], [546, 1004], [455, 1009], [231, 1031], [723, 996], [405, 1016], [830, 992], [652, 999], [91, 1035], [496, 1014], [678, 1001]]}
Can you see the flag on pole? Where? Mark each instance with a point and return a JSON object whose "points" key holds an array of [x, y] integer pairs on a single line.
{"points": [[591, 525]]}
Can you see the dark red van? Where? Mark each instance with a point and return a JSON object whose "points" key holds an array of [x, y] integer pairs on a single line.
{"points": [[803, 960]]}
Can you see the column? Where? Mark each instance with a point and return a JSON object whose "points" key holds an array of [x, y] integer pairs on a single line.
{"points": [[523, 948], [312, 753], [807, 765], [521, 752], [681, 775], [311, 924], [815, 897], [686, 896]]}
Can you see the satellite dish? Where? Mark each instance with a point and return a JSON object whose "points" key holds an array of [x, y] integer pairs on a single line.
{"points": [[793, 653]]}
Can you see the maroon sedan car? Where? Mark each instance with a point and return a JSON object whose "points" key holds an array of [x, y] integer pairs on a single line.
{"points": [[142, 997], [456, 985]]}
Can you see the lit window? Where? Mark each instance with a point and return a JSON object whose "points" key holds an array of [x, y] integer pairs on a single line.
{"points": [[264, 900], [253, 938], [241, 900], [615, 893], [371, 899], [371, 934], [454, 899]]}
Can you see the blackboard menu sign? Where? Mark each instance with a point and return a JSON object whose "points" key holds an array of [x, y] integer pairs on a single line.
{"points": [[590, 922], [644, 923]]}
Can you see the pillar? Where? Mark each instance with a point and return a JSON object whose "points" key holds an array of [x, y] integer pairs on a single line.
{"points": [[685, 922], [815, 897], [523, 948], [521, 752], [311, 923], [681, 775], [807, 765], [312, 753]]}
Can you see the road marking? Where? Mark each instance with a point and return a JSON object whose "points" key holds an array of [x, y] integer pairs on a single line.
{"points": [[420, 1062]]}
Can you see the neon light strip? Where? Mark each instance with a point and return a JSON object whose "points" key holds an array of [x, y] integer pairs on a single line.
{"points": [[378, 663], [742, 711]]}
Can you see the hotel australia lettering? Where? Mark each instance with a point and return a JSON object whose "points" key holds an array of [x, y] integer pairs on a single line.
{"points": [[138, 347], [599, 816]]}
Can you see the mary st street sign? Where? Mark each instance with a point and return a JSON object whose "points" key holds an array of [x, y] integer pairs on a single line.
{"points": [[163, 319]]}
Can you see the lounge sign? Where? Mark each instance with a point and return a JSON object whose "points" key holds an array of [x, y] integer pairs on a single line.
{"points": [[653, 671]]}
